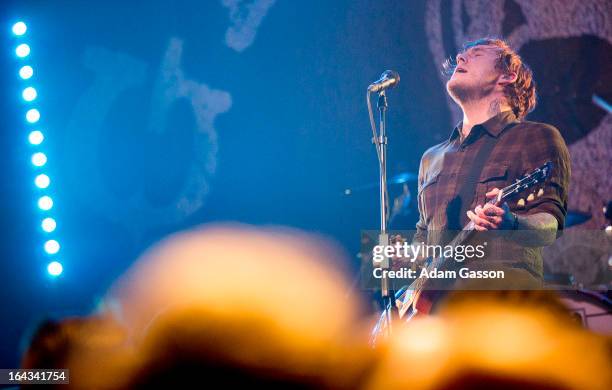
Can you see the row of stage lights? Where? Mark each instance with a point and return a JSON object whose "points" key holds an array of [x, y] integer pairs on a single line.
{"points": [[39, 158]]}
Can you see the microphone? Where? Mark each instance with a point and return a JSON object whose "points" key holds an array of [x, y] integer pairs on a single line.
{"points": [[388, 79]]}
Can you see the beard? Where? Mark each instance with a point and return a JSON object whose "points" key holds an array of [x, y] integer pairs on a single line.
{"points": [[463, 92]]}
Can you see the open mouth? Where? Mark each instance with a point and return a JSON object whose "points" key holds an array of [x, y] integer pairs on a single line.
{"points": [[460, 70]]}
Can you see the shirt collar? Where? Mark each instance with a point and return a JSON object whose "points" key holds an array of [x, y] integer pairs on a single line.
{"points": [[494, 125]]}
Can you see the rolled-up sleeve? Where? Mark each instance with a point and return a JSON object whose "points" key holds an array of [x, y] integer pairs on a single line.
{"points": [[547, 144]]}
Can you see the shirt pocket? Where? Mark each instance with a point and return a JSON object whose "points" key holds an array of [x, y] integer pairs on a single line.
{"points": [[492, 176]]}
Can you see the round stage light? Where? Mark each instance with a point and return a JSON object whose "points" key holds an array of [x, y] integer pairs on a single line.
{"points": [[32, 115], [42, 181], [45, 203], [19, 28], [36, 137], [29, 94], [26, 72], [55, 268], [48, 224], [39, 159], [52, 247], [22, 50]]}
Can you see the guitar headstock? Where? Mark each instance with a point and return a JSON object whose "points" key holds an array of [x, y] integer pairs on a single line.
{"points": [[530, 180]]}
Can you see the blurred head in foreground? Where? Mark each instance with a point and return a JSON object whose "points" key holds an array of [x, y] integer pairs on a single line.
{"points": [[239, 306], [496, 340]]}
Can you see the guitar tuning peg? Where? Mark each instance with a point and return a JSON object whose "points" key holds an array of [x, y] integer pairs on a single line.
{"points": [[521, 202], [530, 198], [540, 192]]}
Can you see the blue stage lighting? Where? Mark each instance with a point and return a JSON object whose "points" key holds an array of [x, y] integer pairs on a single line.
{"points": [[29, 94], [48, 224], [45, 203], [36, 137], [39, 159], [32, 115], [42, 181], [22, 50], [52, 247], [26, 72], [55, 268], [19, 28]]}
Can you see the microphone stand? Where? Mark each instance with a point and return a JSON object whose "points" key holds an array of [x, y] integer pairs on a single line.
{"points": [[387, 293]]}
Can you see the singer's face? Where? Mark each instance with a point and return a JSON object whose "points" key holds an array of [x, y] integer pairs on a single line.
{"points": [[475, 75]]}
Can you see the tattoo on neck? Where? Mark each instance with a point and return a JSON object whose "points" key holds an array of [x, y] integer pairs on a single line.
{"points": [[494, 107]]}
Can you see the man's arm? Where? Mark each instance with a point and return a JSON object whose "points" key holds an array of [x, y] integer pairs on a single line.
{"points": [[541, 221], [533, 230], [536, 229], [421, 225]]}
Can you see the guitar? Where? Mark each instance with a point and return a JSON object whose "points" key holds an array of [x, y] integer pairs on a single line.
{"points": [[414, 298]]}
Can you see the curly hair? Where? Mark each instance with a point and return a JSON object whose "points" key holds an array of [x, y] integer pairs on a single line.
{"points": [[521, 94]]}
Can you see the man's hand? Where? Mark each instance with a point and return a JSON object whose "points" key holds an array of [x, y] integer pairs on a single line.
{"points": [[491, 217]]}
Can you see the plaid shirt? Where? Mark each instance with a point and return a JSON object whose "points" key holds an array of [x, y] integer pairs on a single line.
{"points": [[519, 147]]}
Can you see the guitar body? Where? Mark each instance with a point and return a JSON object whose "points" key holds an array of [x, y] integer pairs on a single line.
{"points": [[416, 304], [426, 300]]}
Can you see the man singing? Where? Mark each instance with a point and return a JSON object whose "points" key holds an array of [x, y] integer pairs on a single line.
{"points": [[489, 149]]}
